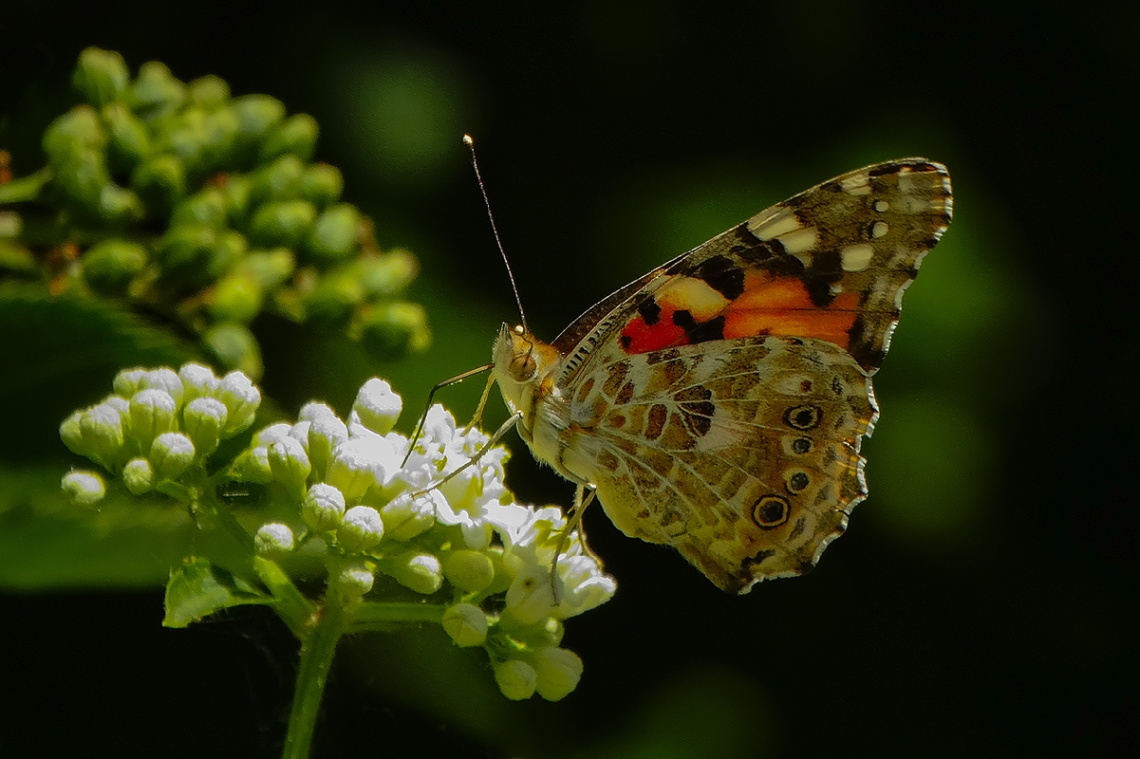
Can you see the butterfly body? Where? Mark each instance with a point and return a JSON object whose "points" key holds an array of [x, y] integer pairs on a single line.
{"points": [[717, 404]]}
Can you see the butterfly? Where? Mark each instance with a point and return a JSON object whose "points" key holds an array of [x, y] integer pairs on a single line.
{"points": [[718, 403]]}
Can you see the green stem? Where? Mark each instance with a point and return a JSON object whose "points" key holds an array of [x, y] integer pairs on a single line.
{"points": [[317, 651]]}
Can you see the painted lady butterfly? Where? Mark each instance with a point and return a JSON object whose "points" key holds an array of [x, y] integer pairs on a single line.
{"points": [[718, 403]]}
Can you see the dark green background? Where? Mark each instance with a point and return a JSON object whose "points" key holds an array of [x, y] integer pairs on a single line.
{"points": [[982, 602]]}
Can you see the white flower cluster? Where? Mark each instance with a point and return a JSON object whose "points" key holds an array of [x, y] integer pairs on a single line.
{"points": [[433, 519], [409, 516], [156, 425]]}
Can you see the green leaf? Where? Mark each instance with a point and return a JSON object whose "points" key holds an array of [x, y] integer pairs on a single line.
{"points": [[200, 589]]}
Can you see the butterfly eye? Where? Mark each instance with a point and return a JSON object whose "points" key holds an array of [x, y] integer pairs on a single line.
{"points": [[523, 367]]}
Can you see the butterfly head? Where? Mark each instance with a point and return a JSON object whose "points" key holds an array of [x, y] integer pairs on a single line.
{"points": [[523, 366]]}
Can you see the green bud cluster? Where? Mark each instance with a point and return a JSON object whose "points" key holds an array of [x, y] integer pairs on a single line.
{"points": [[159, 424], [209, 206], [362, 499]]}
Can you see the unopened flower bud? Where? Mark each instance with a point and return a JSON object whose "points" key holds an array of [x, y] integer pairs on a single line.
{"points": [[203, 420], [558, 670], [466, 624], [197, 381], [469, 570], [516, 679], [138, 476], [129, 381], [396, 328], [354, 581], [233, 345], [416, 571], [103, 437], [321, 184], [296, 134], [377, 406], [406, 517], [335, 234], [171, 454], [83, 487], [241, 399], [100, 76], [110, 265], [360, 529], [285, 222], [289, 463], [323, 508], [273, 539], [152, 412]]}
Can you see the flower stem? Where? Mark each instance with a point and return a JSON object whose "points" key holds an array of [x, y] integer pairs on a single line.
{"points": [[25, 188], [317, 652]]}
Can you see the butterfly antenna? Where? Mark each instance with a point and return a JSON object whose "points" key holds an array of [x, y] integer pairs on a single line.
{"points": [[469, 141]]}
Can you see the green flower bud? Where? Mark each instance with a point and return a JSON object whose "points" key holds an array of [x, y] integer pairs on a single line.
{"points": [[323, 508], [285, 223], [558, 670], [164, 379], [321, 184], [335, 234], [118, 205], [171, 454], [394, 329], [334, 299], [388, 274], [110, 265], [516, 679], [233, 345], [270, 268], [71, 432], [326, 432], [155, 92], [358, 464], [82, 178], [273, 539], [228, 253], [128, 140], [289, 462], [129, 381], [466, 624], [203, 420], [152, 413], [209, 92], [77, 130], [237, 190], [160, 181], [83, 487], [241, 399], [100, 76], [220, 130], [360, 529], [103, 437], [138, 476], [296, 134], [253, 466], [185, 250], [416, 571], [279, 180], [185, 134], [354, 581], [197, 381], [406, 517], [469, 570], [207, 206], [377, 406], [257, 114], [235, 298]]}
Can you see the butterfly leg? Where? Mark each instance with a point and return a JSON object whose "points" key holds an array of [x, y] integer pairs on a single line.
{"points": [[503, 430], [439, 386], [581, 501], [482, 404]]}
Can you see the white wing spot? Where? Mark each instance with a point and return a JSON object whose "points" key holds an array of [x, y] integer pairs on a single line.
{"points": [[879, 229], [774, 226], [882, 206], [857, 185], [800, 240], [856, 257]]}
